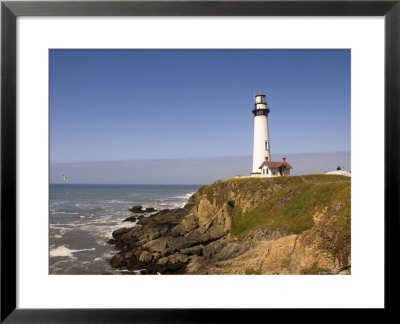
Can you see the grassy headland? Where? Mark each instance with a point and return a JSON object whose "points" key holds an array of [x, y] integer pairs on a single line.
{"points": [[316, 205], [283, 225]]}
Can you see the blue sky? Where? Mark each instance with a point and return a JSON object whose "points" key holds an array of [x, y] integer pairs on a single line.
{"points": [[113, 105]]}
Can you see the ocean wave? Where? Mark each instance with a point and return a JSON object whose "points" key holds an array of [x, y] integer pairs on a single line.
{"points": [[88, 221], [172, 205], [62, 202], [186, 196], [64, 212], [64, 227], [64, 251], [116, 201]]}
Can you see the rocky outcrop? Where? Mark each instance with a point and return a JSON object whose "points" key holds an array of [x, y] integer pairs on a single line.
{"points": [[168, 240], [139, 209], [198, 238]]}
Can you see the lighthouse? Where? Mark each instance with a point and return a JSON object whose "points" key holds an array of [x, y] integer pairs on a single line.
{"points": [[261, 145], [262, 163]]}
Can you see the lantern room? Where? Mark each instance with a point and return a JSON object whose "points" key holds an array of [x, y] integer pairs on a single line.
{"points": [[260, 105], [260, 98]]}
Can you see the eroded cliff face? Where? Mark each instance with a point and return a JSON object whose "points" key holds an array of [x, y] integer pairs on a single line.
{"points": [[293, 225]]}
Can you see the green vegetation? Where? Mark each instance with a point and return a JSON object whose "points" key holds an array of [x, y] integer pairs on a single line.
{"points": [[215, 195], [292, 206], [334, 227], [201, 189], [317, 206], [210, 196]]}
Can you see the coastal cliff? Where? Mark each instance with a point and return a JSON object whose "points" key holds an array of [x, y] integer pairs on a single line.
{"points": [[285, 225]]}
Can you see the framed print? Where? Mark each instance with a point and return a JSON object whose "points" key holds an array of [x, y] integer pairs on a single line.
{"points": [[132, 168]]}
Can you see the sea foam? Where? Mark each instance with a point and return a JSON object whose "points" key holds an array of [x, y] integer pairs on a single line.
{"points": [[63, 251]]}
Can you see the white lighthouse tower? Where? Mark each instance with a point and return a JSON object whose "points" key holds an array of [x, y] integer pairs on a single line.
{"points": [[261, 146]]}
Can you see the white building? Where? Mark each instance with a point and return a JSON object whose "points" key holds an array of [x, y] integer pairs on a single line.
{"points": [[275, 169], [262, 164]]}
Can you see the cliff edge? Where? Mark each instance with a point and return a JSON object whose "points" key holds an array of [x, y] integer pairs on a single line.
{"points": [[285, 225]]}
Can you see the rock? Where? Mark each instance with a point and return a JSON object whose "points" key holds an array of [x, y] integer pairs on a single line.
{"points": [[163, 261], [215, 228], [118, 260], [136, 209], [177, 231], [117, 233], [174, 259], [131, 219], [158, 245], [196, 239], [156, 256], [154, 236], [195, 250], [279, 258], [163, 231], [167, 245], [178, 258], [311, 259], [146, 256], [143, 241], [189, 223], [204, 211]]}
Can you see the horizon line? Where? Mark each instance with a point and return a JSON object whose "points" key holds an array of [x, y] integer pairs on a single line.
{"points": [[189, 158]]}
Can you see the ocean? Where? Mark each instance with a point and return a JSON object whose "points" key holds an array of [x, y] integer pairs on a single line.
{"points": [[82, 218]]}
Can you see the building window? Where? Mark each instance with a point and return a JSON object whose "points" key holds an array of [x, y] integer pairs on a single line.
{"points": [[267, 171], [266, 145]]}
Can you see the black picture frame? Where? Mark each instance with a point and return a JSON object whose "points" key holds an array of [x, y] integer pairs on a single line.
{"points": [[10, 10]]}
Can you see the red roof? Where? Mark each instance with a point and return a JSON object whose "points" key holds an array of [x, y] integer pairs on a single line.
{"points": [[276, 165]]}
